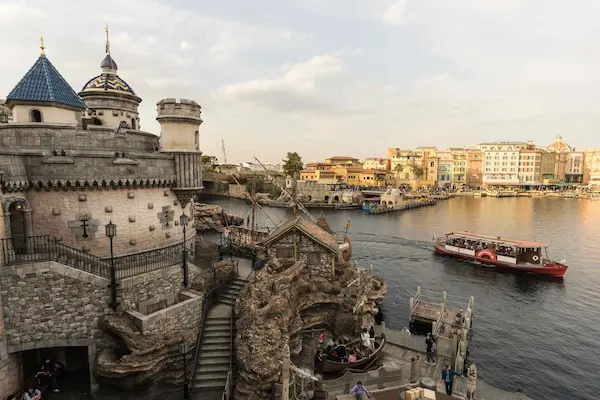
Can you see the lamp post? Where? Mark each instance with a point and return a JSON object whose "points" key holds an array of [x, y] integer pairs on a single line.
{"points": [[184, 220], [111, 232], [183, 348]]}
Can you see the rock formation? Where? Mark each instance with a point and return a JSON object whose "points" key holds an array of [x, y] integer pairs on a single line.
{"points": [[210, 217], [282, 301]]}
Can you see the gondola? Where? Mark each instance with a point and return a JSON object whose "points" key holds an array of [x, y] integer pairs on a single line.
{"points": [[330, 366]]}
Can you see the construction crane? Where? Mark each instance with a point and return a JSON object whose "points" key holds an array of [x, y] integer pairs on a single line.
{"points": [[223, 150]]}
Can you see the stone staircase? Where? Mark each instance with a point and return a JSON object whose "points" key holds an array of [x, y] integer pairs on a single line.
{"points": [[233, 292], [215, 353]]}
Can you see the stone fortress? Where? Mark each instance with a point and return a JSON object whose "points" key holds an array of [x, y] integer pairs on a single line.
{"points": [[69, 165]]}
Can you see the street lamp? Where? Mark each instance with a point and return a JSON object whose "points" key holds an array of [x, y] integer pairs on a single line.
{"points": [[183, 349], [184, 220], [111, 232]]}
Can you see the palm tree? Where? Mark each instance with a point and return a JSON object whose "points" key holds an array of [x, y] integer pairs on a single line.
{"points": [[397, 169]]}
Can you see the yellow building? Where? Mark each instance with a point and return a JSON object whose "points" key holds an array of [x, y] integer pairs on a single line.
{"points": [[375, 163], [320, 176], [347, 162]]}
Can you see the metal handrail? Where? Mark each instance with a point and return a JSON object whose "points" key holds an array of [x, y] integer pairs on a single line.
{"points": [[209, 299]]}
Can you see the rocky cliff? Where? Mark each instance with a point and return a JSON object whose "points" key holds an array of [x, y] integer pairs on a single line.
{"points": [[283, 301], [210, 217]]}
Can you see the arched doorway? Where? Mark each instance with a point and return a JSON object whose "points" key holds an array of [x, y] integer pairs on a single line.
{"points": [[17, 224], [96, 121], [35, 116], [18, 228]]}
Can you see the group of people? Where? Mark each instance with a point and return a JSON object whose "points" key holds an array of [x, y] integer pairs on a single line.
{"points": [[48, 375], [343, 350], [477, 245]]}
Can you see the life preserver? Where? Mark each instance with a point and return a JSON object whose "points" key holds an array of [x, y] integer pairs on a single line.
{"points": [[536, 258], [488, 254]]}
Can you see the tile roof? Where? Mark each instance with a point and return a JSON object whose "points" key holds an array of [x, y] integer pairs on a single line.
{"points": [[44, 83], [308, 228]]}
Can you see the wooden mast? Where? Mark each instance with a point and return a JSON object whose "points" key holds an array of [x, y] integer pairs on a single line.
{"points": [[253, 206]]}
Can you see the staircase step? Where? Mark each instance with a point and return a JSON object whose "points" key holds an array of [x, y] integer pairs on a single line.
{"points": [[215, 346], [218, 334], [208, 385], [209, 362], [216, 340], [218, 320], [211, 369], [208, 354]]}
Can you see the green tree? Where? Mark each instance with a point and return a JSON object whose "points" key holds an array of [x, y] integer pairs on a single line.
{"points": [[293, 164], [209, 162]]}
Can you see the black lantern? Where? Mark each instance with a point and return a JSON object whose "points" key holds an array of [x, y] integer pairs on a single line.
{"points": [[111, 232]]}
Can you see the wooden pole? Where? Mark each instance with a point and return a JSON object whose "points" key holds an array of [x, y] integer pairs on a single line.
{"points": [[285, 389], [253, 205]]}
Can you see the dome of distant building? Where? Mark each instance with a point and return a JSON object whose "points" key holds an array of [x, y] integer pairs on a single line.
{"points": [[559, 145]]}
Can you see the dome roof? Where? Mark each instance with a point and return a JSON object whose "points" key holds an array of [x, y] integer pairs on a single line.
{"points": [[559, 145], [108, 62], [108, 83]]}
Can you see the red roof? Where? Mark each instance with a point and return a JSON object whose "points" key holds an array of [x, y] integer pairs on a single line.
{"points": [[342, 158], [518, 243]]}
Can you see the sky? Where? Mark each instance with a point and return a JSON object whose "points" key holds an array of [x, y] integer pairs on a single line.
{"points": [[332, 77]]}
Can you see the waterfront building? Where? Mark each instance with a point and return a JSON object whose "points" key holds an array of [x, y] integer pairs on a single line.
{"points": [[327, 176], [459, 167], [548, 168], [376, 163], [530, 167], [474, 173], [85, 189], [444, 172], [591, 169], [343, 161], [374, 177], [501, 162]]}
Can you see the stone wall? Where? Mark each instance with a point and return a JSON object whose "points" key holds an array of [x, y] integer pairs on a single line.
{"points": [[10, 375], [187, 314], [145, 218], [47, 302], [156, 284], [317, 258]]}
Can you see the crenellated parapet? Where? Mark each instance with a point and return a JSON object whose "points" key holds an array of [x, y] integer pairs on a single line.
{"points": [[184, 110]]}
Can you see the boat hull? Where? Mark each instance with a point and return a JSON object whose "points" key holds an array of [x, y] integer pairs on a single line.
{"points": [[550, 269]]}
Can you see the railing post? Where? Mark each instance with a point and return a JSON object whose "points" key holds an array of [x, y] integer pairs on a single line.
{"points": [[113, 279]]}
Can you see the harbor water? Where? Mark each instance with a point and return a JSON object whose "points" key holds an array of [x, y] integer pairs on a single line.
{"points": [[533, 334]]}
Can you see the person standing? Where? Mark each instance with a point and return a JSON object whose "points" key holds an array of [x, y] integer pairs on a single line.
{"points": [[448, 379], [431, 348], [319, 361], [366, 339]]}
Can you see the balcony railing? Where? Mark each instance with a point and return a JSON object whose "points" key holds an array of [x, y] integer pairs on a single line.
{"points": [[24, 250]]}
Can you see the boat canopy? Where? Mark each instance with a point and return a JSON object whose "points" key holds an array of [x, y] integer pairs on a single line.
{"points": [[498, 239]]}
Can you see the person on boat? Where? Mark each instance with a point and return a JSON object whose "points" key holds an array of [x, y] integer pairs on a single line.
{"points": [[318, 361], [341, 353], [321, 338], [431, 347], [366, 339], [352, 358], [372, 332], [359, 391], [448, 379]]}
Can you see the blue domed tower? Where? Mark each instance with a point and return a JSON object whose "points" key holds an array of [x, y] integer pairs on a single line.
{"points": [[110, 100]]}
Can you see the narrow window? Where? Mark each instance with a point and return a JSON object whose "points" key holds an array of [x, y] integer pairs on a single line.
{"points": [[36, 116]]}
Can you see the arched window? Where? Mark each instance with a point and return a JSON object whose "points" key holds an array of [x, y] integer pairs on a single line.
{"points": [[96, 121], [35, 116]]}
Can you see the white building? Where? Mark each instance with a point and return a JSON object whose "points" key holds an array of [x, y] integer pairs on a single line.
{"points": [[501, 162], [375, 163]]}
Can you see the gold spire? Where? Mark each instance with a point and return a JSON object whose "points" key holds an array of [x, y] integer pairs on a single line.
{"points": [[43, 53], [107, 42]]}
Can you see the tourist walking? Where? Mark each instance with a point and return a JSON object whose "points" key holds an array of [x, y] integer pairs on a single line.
{"points": [[360, 391], [448, 379], [431, 348]]}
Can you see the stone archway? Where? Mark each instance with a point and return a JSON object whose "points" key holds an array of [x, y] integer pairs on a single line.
{"points": [[17, 222]]}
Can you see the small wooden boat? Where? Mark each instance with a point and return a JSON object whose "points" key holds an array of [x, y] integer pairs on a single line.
{"points": [[330, 366]]}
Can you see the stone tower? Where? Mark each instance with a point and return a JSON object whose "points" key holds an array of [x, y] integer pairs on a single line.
{"points": [[179, 125]]}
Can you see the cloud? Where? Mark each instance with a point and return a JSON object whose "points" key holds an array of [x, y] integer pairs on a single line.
{"points": [[166, 83], [295, 90], [395, 13], [184, 45]]}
